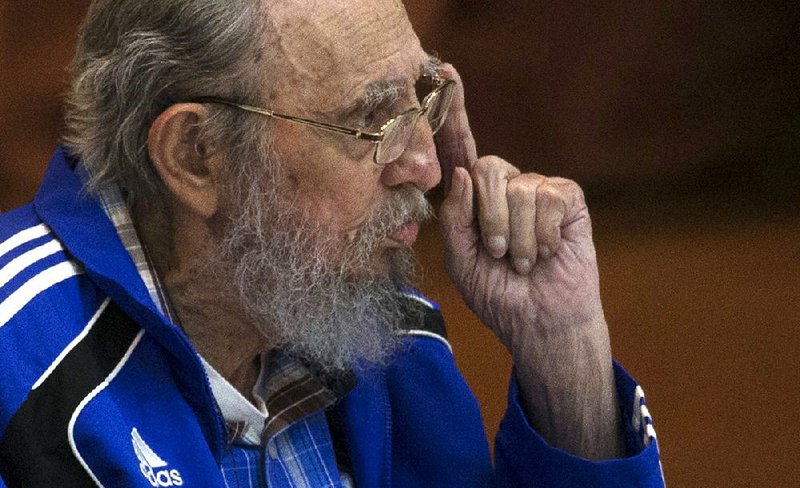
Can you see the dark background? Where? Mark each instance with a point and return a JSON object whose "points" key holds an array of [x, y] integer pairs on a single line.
{"points": [[681, 121]]}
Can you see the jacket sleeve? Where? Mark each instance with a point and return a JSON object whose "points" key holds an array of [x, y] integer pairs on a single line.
{"points": [[523, 458]]}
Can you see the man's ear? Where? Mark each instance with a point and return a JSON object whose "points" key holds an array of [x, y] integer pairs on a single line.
{"points": [[187, 164]]}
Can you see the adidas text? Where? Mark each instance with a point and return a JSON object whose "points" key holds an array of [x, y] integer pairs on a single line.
{"points": [[153, 468], [161, 478]]}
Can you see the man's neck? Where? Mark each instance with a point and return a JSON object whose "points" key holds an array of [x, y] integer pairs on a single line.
{"points": [[207, 310], [228, 341]]}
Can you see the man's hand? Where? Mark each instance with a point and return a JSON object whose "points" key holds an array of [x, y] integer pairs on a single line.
{"points": [[519, 249]]}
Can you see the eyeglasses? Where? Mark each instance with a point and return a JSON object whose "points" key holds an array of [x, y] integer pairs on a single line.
{"points": [[392, 138]]}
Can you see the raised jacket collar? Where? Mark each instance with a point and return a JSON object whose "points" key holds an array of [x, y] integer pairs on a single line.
{"points": [[90, 238]]}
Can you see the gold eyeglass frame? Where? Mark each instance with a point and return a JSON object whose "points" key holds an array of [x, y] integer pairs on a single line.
{"points": [[440, 84]]}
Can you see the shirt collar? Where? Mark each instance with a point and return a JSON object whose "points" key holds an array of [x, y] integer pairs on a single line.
{"points": [[245, 420]]}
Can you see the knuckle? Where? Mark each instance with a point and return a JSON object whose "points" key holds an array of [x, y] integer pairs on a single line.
{"points": [[571, 188], [482, 166], [520, 192], [494, 167], [563, 182], [548, 194], [524, 188]]}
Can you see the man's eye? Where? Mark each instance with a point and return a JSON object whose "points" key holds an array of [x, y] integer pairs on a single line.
{"points": [[368, 119]]}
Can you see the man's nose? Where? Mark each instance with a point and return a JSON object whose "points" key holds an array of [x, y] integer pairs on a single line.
{"points": [[418, 164]]}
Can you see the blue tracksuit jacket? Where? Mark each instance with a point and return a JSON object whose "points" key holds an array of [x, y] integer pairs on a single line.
{"points": [[90, 368]]}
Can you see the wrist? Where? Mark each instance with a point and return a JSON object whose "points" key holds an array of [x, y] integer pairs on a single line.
{"points": [[568, 391]]}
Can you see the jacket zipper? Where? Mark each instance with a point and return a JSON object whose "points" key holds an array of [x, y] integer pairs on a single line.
{"points": [[262, 467]]}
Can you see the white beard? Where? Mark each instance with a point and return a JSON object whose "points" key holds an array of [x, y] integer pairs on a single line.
{"points": [[324, 304]]}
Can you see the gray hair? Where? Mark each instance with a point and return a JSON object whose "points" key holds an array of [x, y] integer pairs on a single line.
{"points": [[135, 58]]}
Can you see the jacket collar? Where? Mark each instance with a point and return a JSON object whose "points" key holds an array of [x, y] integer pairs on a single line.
{"points": [[91, 239], [85, 230]]}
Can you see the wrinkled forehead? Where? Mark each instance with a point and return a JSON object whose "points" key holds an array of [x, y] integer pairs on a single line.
{"points": [[322, 53]]}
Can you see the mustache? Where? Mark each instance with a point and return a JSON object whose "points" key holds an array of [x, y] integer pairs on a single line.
{"points": [[406, 203]]}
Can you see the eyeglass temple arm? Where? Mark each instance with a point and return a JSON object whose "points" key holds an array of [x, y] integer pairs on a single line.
{"points": [[367, 136]]}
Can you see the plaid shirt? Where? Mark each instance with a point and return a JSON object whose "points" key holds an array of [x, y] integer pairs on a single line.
{"points": [[294, 447]]}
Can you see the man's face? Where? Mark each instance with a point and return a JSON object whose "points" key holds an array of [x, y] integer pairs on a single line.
{"points": [[318, 242], [328, 55]]}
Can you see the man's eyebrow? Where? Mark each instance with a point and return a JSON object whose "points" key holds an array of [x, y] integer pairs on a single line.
{"points": [[381, 92], [388, 91], [430, 68]]}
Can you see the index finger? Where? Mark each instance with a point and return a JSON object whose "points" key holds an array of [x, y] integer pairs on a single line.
{"points": [[455, 145]]}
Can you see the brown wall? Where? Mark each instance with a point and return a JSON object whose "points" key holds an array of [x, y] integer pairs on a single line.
{"points": [[680, 119]]}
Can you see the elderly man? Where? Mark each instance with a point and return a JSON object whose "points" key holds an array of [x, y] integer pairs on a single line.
{"points": [[212, 286]]}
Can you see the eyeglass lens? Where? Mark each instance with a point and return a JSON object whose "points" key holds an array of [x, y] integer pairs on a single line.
{"points": [[397, 135], [439, 106]]}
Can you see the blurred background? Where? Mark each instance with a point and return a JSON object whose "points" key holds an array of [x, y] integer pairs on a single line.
{"points": [[682, 122]]}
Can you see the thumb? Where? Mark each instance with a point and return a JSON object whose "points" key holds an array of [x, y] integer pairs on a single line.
{"points": [[457, 218]]}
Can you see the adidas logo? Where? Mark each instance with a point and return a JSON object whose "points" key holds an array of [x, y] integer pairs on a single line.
{"points": [[150, 464]]}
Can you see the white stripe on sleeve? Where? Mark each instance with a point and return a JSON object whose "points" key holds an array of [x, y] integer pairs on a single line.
{"points": [[21, 262], [33, 287], [22, 237]]}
